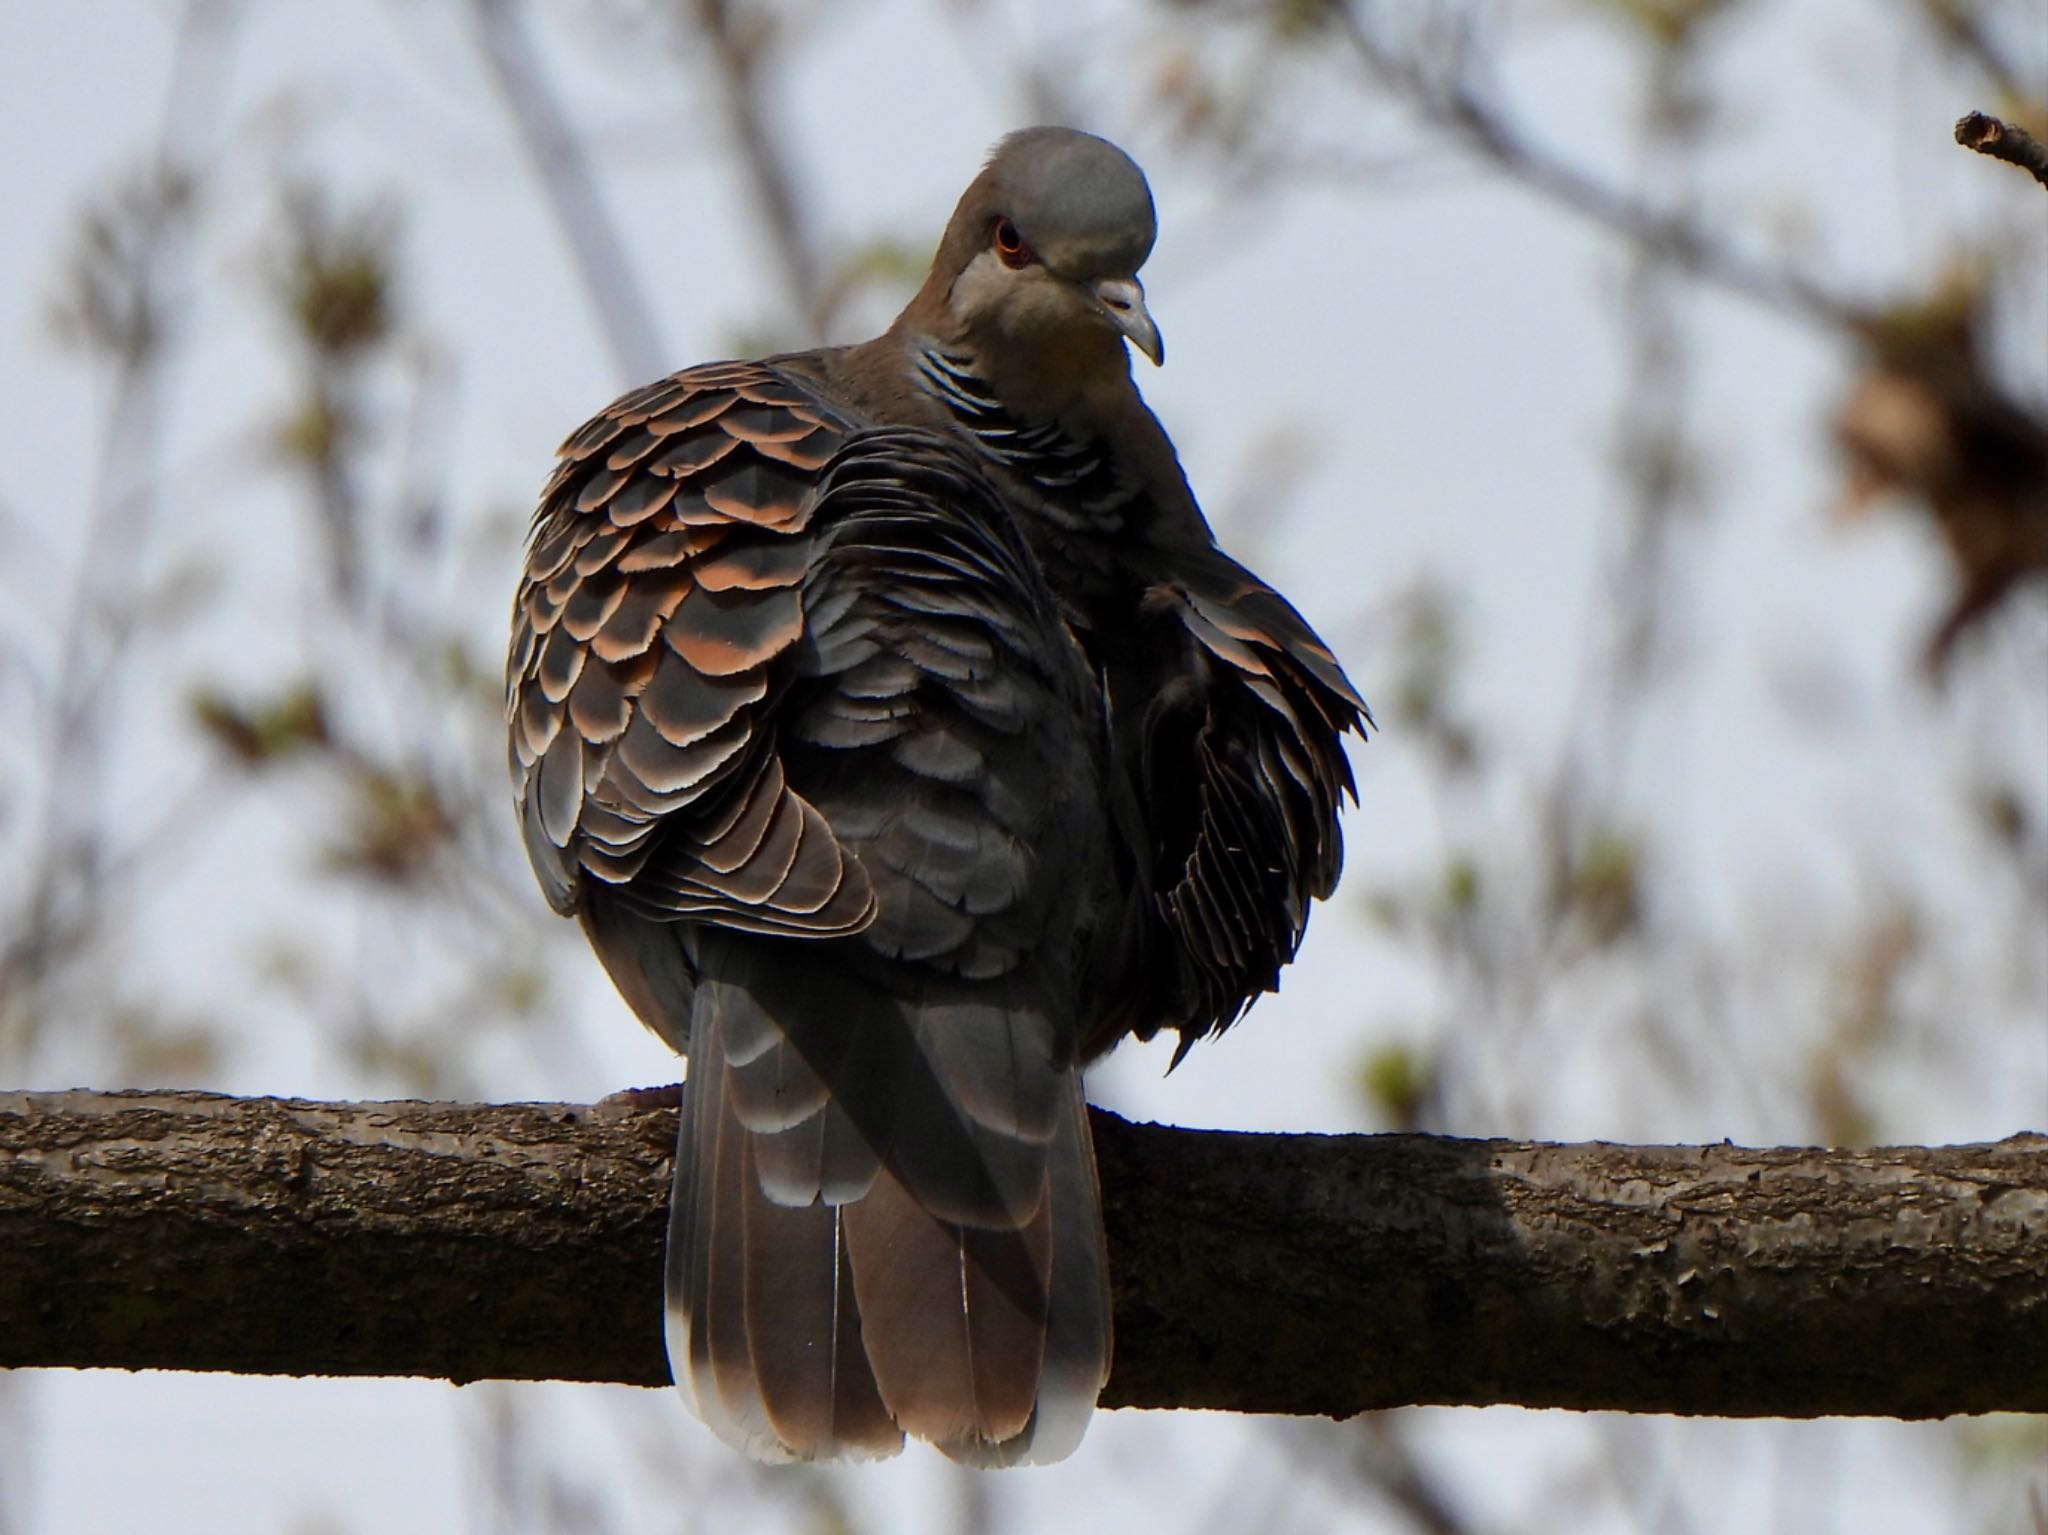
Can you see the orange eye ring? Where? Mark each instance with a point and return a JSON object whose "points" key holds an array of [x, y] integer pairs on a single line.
{"points": [[1010, 246]]}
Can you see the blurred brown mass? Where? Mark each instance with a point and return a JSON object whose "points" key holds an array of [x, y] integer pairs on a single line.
{"points": [[1927, 421]]}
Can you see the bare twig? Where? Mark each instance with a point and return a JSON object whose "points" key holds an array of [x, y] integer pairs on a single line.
{"points": [[1449, 102], [2004, 141], [624, 314], [126, 285], [738, 47]]}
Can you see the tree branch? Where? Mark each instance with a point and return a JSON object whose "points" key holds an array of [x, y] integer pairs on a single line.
{"points": [[625, 315], [2004, 141], [1449, 103], [738, 47], [1261, 1273]]}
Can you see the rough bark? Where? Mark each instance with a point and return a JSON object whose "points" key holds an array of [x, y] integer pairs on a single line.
{"points": [[1262, 1273]]}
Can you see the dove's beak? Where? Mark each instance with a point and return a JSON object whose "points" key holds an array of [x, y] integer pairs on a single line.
{"points": [[1123, 300]]}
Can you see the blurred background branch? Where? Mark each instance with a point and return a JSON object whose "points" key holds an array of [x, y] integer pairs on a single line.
{"points": [[562, 168]]}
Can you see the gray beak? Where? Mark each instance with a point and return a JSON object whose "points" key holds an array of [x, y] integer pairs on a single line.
{"points": [[1123, 300]]}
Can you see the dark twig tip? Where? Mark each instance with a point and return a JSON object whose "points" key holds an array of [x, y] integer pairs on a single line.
{"points": [[2004, 141], [1977, 130]]}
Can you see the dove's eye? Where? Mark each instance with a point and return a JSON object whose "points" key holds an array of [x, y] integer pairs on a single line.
{"points": [[1010, 245]]}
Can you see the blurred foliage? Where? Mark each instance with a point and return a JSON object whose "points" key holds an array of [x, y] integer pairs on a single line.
{"points": [[1399, 1083], [1429, 653], [1669, 25], [334, 276], [399, 825], [1602, 886], [256, 735], [1928, 424], [110, 299], [1864, 1021]]}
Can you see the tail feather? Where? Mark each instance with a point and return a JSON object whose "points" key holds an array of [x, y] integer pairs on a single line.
{"points": [[762, 1334], [1078, 1337], [838, 1281], [953, 1315], [799, 1285], [947, 1139], [709, 1353], [1075, 1362]]}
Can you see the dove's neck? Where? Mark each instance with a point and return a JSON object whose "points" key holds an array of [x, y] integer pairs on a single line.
{"points": [[1076, 474]]}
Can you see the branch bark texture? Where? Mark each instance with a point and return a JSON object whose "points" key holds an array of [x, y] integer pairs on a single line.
{"points": [[1260, 1273]]}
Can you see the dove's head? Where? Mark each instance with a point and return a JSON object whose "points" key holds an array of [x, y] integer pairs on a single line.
{"points": [[1039, 265]]}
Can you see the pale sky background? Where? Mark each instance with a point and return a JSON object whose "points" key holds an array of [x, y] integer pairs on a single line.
{"points": [[1443, 345]]}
